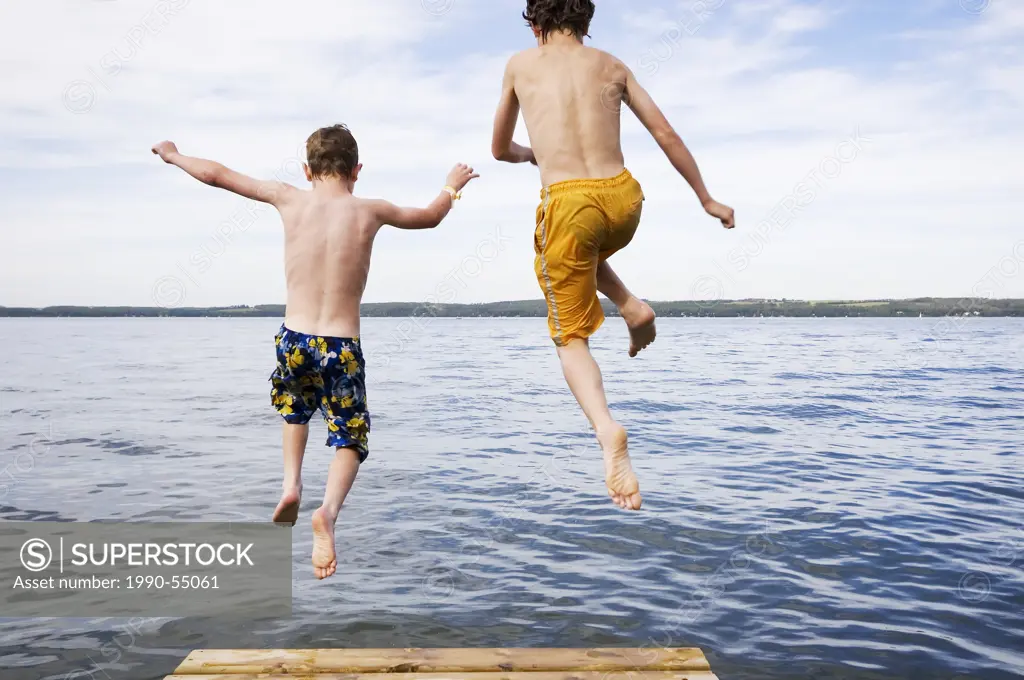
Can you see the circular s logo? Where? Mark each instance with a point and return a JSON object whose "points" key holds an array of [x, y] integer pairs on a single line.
{"points": [[36, 554]]}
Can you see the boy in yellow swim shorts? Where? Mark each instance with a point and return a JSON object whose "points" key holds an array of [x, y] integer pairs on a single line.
{"points": [[571, 98]]}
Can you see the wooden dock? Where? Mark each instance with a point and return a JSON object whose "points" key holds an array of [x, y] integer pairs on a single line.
{"points": [[627, 663]]}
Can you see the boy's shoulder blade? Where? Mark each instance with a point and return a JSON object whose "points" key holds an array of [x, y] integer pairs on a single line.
{"points": [[604, 55], [370, 205], [285, 193], [523, 55]]}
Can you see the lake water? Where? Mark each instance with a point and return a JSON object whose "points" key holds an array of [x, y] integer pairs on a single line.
{"points": [[822, 498]]}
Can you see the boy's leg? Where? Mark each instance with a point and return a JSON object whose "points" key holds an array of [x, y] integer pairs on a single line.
{"points": [[343, 405], [637, 314], [294, 445], [290, 399], [584, 378], [625, 207], [570, 241], [340, 478]]}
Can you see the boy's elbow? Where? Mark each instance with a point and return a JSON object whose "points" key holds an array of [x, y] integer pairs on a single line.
{"points": [[432, 220], [213, 176], [500, 153], [666, 136]]}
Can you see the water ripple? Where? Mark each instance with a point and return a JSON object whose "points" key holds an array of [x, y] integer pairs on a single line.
{"points": [[857, 514]]}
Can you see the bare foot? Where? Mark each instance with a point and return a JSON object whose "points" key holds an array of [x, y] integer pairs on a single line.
{"points": [[639, 318], [623, 486], [287, 511], [325, 562]]}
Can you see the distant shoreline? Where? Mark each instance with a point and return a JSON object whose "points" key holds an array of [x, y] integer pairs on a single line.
{"points": [[927, 307]]}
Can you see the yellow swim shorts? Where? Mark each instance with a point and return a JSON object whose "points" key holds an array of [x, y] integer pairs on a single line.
{"points": [[580, 223]]}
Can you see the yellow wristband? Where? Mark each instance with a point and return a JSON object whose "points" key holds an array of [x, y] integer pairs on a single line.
{"points": [[456, 195]]}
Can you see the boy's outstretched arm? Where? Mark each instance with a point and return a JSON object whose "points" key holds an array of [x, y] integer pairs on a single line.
{"points": [[641, 103], [216, 175], [433, 214], [502, 146]]}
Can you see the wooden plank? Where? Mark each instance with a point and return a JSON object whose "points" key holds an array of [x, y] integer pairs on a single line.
{"points": [[555, 675], [348, 661]]}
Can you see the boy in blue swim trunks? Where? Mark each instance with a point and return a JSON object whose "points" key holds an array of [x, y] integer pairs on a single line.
{"points": [[329, 234]]}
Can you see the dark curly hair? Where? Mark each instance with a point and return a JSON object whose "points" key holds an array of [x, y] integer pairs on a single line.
{"points": [[551, 16]]}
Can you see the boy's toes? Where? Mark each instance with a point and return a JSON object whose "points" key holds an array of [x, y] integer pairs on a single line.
{"points": [[630, 502], [326, 571]]}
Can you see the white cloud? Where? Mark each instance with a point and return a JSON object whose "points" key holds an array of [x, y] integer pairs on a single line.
{"points": [[87, 216]]}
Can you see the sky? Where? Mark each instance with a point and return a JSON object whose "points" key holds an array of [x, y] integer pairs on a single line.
{"points": [[871, 148]]}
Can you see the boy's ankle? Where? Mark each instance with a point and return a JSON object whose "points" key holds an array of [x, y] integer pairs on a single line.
{"points": [[330, 514], [609, 429]]}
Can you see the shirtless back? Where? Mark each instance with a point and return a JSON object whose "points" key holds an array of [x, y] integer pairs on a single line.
{"points": [[329, 235], [327, 244], [329, 231], [568, 94], [571, 98]]}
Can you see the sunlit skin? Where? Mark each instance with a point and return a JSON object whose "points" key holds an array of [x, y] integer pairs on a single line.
{"points": [[329, 234], [571, 96]]}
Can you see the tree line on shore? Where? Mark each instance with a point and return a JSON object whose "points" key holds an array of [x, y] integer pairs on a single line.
{"points": [[929, 307]]}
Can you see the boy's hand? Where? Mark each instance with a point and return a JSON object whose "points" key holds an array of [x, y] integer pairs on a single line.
{"points": [[722, 212], [460, 176], [165, 150]]}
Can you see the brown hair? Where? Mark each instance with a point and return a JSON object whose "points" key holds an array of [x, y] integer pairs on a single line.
{"points": [[559, 15], [332, 152]]}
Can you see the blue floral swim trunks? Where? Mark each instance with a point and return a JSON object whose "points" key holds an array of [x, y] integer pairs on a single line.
{"points": [[326, 374]]}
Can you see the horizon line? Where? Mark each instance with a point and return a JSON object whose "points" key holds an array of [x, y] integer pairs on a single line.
{"points": [[520, 301]]}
